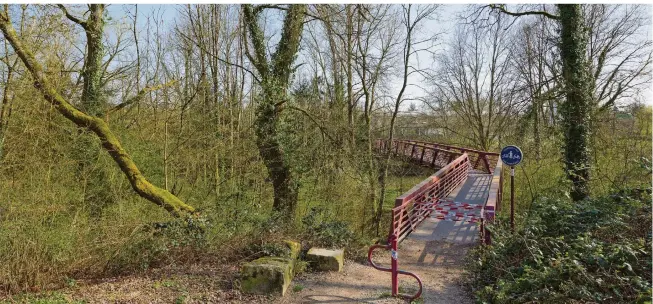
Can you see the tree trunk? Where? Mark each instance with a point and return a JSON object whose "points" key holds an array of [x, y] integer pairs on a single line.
{"points": [[575, 110], [275, 76], [92, 101], [97, 193]]}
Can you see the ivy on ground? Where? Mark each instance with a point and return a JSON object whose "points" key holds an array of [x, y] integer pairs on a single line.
{"points": [[596, 251]]}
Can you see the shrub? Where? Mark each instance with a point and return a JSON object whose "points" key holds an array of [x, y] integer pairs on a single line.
{"points": [[160, 242], [257, 250], [598, 250], [322, 230]]}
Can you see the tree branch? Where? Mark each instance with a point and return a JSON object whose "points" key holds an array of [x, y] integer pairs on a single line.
{"points": [[71, 17], [502, 9]]}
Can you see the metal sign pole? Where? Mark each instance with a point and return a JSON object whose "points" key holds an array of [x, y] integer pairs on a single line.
{"points": [[512, 198], [512, 156]]}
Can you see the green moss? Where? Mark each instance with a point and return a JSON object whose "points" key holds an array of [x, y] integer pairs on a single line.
{"points": [[295, 248], [267, 275]]}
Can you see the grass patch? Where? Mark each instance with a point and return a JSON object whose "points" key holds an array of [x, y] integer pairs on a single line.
{"points": [[45, 298]]}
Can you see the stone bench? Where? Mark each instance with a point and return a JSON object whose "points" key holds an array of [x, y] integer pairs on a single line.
{"points": [[270, 275], [325, 259]]}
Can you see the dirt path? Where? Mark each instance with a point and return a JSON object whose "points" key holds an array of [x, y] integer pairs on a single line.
{"points": [[439, 265]]}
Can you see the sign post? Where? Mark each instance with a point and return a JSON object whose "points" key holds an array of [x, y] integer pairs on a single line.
{"points": [[511, 156]]}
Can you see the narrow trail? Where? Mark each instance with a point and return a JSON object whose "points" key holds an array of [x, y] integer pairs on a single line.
{"points": [[439, 264]]}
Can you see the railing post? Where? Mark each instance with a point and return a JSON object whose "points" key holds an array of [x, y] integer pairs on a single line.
{"points": [[500, 190], [488, 236], [478, 159], [486, 162], [421, 159], [395, 267], [451, 158]]}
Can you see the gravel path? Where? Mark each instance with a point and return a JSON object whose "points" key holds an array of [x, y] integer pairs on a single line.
{"points": [[437, 263]]}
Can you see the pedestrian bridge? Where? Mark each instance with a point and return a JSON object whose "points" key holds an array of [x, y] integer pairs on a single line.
{"points": [[454, 205]]}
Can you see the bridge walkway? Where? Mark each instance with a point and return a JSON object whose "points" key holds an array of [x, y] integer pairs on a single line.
{"points": [[438, 227], [436, 222]]}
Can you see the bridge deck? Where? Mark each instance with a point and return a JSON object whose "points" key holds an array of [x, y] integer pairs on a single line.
{"points": [[474, 192]]}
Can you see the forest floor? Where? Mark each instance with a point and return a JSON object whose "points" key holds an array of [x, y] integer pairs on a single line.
{"points": [[217, 282]]}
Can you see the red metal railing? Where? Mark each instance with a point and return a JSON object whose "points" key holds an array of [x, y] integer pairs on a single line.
{"points": [[493, 203], [423, 154], [481, 160], [406, 217]]}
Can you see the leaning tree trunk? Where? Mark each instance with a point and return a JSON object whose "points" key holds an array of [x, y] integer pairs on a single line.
{"points": [[576, 108], [109, 140]]}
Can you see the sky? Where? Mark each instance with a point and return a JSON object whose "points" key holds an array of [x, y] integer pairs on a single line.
{"points": [[445, 24]]}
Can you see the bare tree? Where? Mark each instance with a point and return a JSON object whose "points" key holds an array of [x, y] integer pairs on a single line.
{"points": [[536, 78], [474, 82], [412, 18], [618, 50], [376, 41]]}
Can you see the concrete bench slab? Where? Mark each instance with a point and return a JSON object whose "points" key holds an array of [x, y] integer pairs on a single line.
{"points": [[267, 275], [325, 259]]}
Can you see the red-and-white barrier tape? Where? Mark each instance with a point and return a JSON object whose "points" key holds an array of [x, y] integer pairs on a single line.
{"points": [[449, 210]]}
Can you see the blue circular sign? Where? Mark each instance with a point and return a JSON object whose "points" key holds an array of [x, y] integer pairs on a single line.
{"points": [[511, 155]]}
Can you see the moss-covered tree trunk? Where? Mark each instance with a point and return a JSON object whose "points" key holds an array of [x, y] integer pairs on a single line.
{"points": [[575, 110], [274, 79], [109, 140], [577, 81], [92, 100], [270, 149]]}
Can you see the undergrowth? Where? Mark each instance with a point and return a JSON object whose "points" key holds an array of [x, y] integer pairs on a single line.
{"points": [[596, 251]]}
